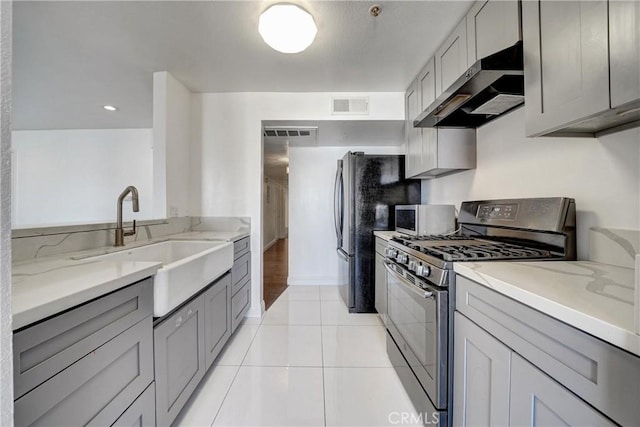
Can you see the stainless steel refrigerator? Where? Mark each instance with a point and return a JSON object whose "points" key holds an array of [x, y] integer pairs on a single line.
{"points": [[367, 188]]}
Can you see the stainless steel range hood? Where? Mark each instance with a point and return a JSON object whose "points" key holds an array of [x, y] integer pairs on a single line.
{"points": [[492, 86]]}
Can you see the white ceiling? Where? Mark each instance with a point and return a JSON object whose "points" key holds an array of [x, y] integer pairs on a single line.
{"points": [[70, 58], [351, 133]]}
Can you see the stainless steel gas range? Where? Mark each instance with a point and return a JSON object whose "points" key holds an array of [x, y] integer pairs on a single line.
{"points": [[421, 284]]}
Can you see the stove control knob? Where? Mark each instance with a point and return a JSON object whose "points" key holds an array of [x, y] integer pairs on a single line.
{"points": [[423, 271], [391, 253], [412, 265], [402, 258]]}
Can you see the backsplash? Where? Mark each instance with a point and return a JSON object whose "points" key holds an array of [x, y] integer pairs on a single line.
{"points": [[614, 246], [31, 244]]}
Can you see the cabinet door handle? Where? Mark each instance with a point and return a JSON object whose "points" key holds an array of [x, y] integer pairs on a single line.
{"points": [[178, 321]]}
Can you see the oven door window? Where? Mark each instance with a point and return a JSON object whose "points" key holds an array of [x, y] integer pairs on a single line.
{"points": [[422, 323]]}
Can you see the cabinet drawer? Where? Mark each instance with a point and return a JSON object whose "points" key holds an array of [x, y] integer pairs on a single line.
{"points": [[98, 388], [240, 304], [43, 350], [179, 359], [241, 271], [381, 245], [606, 377], [142, 412], [241, 247]]}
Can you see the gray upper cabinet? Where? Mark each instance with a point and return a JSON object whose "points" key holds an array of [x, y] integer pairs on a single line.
{"points": [[481, 384], [413, 136], [581, 66], [537, 400], [433, 152], [492, 26], [566, 65], [427, 85], [624, 34], [451, 58]]}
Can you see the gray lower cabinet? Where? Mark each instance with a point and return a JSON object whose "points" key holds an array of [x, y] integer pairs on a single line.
{"points": [[87, 365], [179, 358], [482, 376], [557, 374], [240, 304], [98, 388], [142, 412], [381, 280], [240, 282], [536, 400], [241, 271], [217, 318]]}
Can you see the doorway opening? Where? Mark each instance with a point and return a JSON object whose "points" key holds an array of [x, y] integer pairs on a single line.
{"points": [[275, 211]]}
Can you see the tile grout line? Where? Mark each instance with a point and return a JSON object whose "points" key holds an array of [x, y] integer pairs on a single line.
{"points": [[324, 393], [236, 374]]}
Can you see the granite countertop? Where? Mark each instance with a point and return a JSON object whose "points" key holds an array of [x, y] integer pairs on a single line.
{"points": [[46, 286], [386, 235], [593, 297]]}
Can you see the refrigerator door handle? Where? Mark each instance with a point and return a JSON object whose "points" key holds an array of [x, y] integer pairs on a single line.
{"points": [[342, 254], [337, 205]]}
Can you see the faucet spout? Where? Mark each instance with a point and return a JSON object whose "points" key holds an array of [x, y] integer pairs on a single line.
{"points": [[120, 233]]}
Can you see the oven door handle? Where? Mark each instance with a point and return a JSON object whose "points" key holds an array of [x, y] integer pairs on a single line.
{"points": [[407, 285]]}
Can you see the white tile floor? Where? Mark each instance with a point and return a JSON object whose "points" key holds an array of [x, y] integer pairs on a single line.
{"points": [[307, 362]]}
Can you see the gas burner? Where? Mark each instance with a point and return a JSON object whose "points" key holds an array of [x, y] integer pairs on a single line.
{"points": [[480, 252], [429, 238]]}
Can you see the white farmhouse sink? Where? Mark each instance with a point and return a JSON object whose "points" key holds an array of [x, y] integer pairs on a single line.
{"points": [[187, 267]]}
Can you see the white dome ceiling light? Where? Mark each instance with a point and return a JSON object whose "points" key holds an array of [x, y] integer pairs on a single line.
{"points": [[287, 28]]}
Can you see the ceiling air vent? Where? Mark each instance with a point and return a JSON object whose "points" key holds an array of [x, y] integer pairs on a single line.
{"points": [[354, 105]]}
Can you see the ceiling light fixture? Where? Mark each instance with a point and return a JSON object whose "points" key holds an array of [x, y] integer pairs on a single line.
{"points": [[287, 28], [109, 108]]}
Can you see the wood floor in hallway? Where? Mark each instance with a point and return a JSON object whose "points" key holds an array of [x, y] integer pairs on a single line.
{"points": [[275, 271]]}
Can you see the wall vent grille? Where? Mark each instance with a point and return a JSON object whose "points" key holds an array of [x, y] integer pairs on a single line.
{"points": [[290, 132], [351, 105]]}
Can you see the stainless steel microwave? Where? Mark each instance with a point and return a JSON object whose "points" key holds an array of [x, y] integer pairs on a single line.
{"points": [[421, 220]]}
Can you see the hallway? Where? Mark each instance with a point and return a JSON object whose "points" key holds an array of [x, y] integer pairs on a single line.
{"points": [[275, 268]]}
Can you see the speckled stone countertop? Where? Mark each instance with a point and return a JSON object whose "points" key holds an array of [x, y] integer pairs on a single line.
{"points": [[45, 286], [594, 297]]}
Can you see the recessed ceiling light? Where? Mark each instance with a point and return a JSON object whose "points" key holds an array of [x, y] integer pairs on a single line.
{"points": [[109, 108], [287, 28]]}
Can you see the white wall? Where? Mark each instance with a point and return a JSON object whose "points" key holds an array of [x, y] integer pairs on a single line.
{"points": [[603, 175], [171, 152], [76, 176], [226, 137], [6, 352], [312, 239]]}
